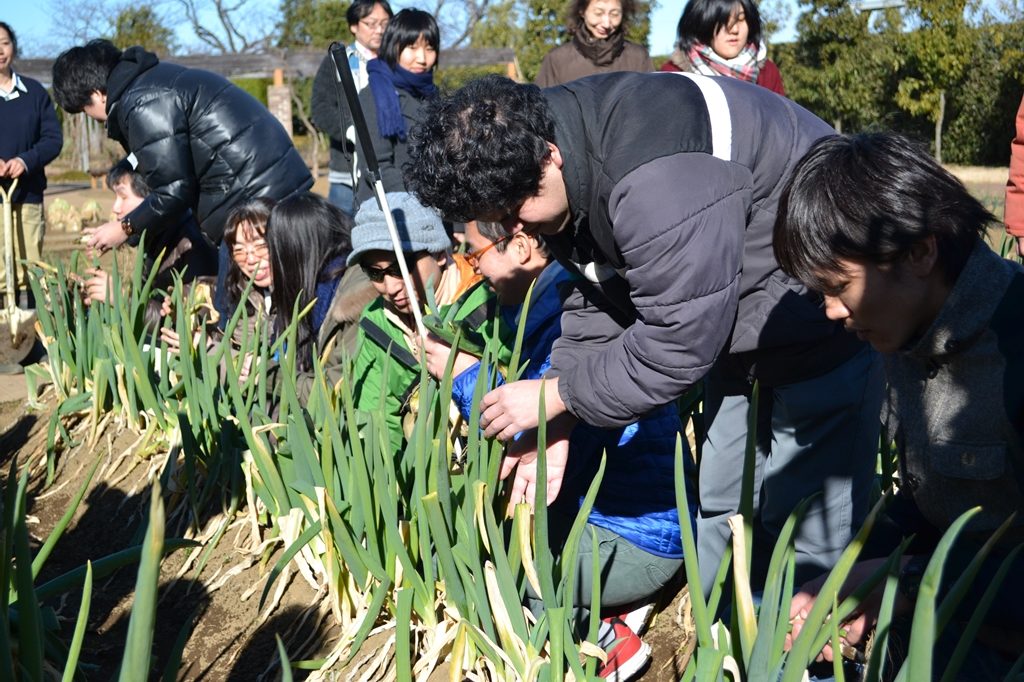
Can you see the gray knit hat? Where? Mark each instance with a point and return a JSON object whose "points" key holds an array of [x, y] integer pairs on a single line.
{"points": [[419, 227]]}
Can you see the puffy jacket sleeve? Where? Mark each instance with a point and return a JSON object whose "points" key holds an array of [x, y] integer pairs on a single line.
{"points": [[679, 224], [158, 135], [1014, 217]]}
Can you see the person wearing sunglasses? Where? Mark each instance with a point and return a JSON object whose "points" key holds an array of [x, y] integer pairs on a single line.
{"points": [[388, 347]]}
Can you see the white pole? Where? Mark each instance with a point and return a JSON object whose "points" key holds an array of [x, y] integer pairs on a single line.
{"points": [[396, 243]]}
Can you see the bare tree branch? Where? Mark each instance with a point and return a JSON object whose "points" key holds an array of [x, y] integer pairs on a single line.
{"points": [[229, 27], [80, 20], [457, 19]]}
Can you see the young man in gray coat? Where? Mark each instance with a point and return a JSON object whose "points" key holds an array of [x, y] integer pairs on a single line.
{"points": [[659, 191]]}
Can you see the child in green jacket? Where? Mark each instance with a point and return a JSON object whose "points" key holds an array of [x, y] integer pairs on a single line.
{"points": [[388, 347]]}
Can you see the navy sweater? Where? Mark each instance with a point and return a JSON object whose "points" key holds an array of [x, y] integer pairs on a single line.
{"points": [[31, 132]]}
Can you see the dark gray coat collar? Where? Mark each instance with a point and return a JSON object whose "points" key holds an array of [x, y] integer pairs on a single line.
{"points": [[976, 294]]}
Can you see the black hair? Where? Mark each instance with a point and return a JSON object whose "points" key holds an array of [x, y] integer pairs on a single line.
{"points": [[123, 169], [404, 29], [14, 39], [360, 9], [702, 19], [480, 150], [574, 16], [256, 214], [308, 238], [871, 197], [495, 232], [81, 71]]}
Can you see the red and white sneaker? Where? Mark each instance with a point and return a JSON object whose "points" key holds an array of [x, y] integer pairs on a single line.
{"points": [[639, 618], [627, 653]]}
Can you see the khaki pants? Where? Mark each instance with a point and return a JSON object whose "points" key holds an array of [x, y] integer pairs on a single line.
{"points": [[28, 243]]}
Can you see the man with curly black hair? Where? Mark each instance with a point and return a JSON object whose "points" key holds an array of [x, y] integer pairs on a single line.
{"points": [[659, 192]]}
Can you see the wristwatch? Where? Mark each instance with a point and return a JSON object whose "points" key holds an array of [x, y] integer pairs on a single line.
{"points": [[126, 225], [910, 577]]}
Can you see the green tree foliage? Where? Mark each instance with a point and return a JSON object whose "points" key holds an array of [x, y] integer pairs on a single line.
{"points": [[141, 25], [981, 108], [312, 23], [837, 65], [937, 54], [545, 26], [860, 73], [502, 27]]}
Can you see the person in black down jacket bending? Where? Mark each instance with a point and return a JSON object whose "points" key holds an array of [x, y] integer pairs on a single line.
{"points": [[201, 142]]}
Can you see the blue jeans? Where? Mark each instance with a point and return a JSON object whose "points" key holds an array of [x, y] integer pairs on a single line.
{"points": [[818, 435], [343, 197]]}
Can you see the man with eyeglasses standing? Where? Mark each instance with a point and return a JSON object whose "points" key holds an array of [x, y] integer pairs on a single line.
{"points": [[367, 20]]}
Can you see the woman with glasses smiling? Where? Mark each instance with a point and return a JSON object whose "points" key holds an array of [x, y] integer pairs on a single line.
{"points": [[292, 252]]}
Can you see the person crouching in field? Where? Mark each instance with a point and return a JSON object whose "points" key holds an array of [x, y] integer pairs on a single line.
{"points": [[895, 244], [185, 251], [294, 254], [634, 515], [388, 347]]}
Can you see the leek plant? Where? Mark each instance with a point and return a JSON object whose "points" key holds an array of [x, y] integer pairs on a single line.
{"points": [[752, 646], [95, 358], [421, 545], [414, 542], [30, 644], [397, 538]]}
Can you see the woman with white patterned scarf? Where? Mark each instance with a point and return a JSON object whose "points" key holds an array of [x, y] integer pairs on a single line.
{"points": [[724, 38]]}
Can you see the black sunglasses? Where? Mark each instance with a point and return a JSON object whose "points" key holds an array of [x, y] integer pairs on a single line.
{"points": [[378, 274]]}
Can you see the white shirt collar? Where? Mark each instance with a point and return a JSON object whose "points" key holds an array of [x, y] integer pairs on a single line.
{"points": [[363, 51], [16, 85]]}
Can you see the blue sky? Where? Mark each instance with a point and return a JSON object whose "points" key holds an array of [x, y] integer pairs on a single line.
{"points": [[34, 22]]}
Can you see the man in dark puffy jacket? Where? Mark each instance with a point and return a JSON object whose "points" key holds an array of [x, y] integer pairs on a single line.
{"points": [[659, 191], [201, 142]]}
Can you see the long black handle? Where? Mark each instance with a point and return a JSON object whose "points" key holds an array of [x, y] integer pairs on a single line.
{"points": [[347, 82]]}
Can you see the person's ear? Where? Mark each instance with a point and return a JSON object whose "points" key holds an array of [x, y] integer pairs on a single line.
{"points": [[923, 257], [555, 156], [522, 247]]}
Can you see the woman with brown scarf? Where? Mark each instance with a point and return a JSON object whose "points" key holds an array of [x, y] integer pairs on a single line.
{"points": [[598, 45]]}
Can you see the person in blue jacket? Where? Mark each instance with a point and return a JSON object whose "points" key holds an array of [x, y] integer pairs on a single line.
{"points": [[634, 515]]}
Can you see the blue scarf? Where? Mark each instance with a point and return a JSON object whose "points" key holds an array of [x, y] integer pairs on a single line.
{"points": [[384, 83]]}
